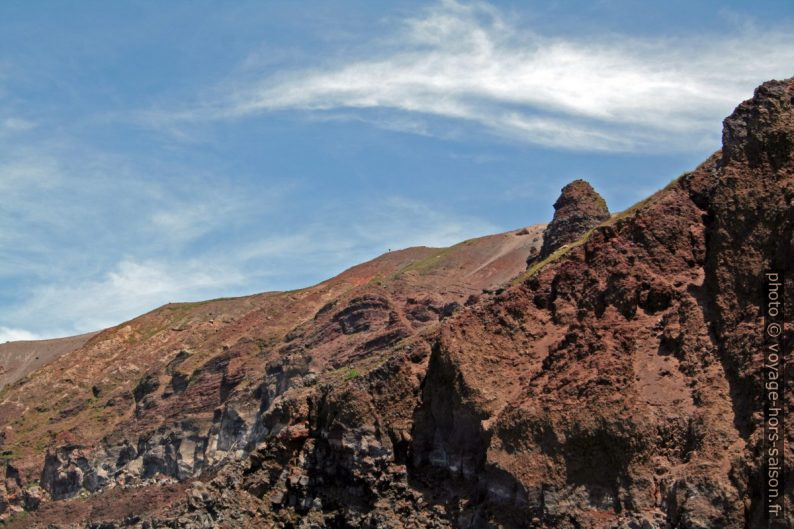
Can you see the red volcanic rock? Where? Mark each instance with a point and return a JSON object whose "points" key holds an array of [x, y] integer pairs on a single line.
{"points": [[621, 385], [615, 385], [578, 209], [190, 390]]}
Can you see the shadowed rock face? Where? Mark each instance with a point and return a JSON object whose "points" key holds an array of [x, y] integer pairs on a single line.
{"points": [[578, 209], [616, 387]]}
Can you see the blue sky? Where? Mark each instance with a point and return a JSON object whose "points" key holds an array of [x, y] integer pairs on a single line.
{"points": [[171, 151]]}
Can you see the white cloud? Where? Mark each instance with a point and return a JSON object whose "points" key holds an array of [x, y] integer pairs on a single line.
{"points": [[129, 289], [12, 335], [28, 174], [468, 62], [198, 215], [69, 217], [14, 124], [330, 239]]}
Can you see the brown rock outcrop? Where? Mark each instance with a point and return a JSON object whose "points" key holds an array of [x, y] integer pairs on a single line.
{"points": [[621, 385], [578, 209]]}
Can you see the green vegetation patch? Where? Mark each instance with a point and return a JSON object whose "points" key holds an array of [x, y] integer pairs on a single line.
{"points": [[556, 255], [351, 374]]}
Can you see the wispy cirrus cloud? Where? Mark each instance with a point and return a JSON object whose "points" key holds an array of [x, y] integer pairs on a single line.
{"points": [[92, 237], [128, 289], [469, 63], [16, 124], [89, 240], [135, 248], [133, 286]]}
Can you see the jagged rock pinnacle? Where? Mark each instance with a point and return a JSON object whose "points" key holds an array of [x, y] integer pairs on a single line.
{"points": [[578, 209]]}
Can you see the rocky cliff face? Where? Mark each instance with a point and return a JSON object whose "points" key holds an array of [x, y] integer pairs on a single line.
{"points": [[191, 390], [614, 384]]}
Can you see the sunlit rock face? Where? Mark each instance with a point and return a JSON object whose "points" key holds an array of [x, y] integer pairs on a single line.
{"points": [[578, 209], [614, 386]]}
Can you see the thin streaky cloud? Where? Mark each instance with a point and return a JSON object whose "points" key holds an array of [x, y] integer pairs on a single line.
{"points": [[135, 284], [8, 334], [467, 62], [130, 288]]}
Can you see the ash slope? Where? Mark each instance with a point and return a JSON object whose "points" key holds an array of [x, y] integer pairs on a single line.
{"points": [[19, 359], [615, 384]]}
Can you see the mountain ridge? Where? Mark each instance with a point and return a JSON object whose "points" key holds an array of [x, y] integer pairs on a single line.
{"points": [[615, 384], [102, 387]]}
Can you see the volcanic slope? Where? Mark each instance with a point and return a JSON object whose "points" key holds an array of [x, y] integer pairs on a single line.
{"points": [[615, 383], [182, 389], [19, 358]]}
